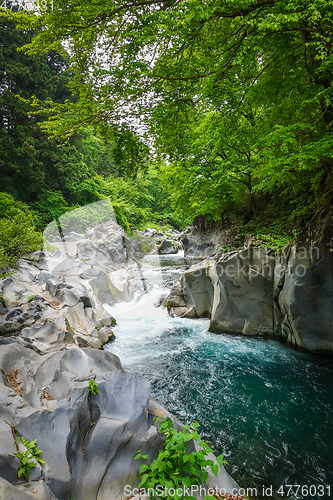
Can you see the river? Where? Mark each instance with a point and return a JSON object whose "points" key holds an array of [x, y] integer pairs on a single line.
{"points": [[267, 407]]}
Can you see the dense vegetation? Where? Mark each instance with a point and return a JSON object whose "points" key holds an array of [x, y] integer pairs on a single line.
{"points": [[50, 176], [231, 100]]}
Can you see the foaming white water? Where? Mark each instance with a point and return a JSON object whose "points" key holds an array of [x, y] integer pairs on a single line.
{"points": [[140, 323], [142, 306]]}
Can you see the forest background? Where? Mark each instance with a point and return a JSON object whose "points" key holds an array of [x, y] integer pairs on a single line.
{"points": [[170, 108]]}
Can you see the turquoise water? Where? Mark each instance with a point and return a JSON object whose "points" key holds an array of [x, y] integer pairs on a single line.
{"points": [[267, 407]]}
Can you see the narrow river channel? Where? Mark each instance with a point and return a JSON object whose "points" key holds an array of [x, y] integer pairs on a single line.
{"points": [[267, 407]]}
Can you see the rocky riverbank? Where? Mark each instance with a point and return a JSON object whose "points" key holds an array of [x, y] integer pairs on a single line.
{"points": [[256, 291], [52, 329]]}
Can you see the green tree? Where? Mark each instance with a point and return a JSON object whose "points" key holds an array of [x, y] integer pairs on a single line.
{"points": [[38, 170], [259, 71]]}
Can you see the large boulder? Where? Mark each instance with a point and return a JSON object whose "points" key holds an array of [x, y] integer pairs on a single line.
{"points": [[234, 290], [167, 247], [306, 299], [243, 292], [206, 237], [253, 291], [193, 295], [88, 441]]}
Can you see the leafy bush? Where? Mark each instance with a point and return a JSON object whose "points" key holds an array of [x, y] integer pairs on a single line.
{"points": [[176, 466], [93, 387], [275, 235], [50, 205], [17, 231], [31, 452], [9, 207]]}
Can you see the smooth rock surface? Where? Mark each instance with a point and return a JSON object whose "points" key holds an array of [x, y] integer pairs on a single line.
{"points": [[252, 291], [37, 490], [167, 247]]}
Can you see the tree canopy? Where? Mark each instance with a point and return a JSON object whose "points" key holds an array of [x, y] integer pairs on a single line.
{"points": [[51, 175], [236, 95]]}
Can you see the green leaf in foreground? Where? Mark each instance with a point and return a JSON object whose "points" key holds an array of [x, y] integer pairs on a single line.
{"points": [[178, 464]]}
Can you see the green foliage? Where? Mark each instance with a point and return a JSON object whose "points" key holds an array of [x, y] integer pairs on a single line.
{"points": [[159, 228], [146, 246], [93, 387], [31, 452], [146, 243], [176, 465], [236, 96], [17, 231], [17, 237], [226, 248], [50, 205], [133, 202], [275, 235], [53, 176], [9, 207]]}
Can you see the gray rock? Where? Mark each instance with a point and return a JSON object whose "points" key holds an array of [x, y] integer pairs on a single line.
{"points": [[88, 442], [105, 334], [47, 336], [253, 292], [77, 236], [243, 293], [13, 292], [167, 247], [26, 272], [158, 236], [235, 291], [199, 243], [82, 342], [8, 461], [90, 273], [3, 310], [68, 267], [17, 318], [148, 230], [106, 291], [37, 490], [42, 277], [306, 298], [82, 464]]}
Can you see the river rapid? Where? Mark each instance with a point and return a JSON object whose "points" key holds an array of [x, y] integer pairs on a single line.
{"points": [[267, 407]]}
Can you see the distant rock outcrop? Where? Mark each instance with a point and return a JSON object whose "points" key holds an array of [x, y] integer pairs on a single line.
{"points": [[205, 238], [167, 247]]}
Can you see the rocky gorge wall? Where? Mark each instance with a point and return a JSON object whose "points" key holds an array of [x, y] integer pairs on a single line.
{"points": [[254, 291]]}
